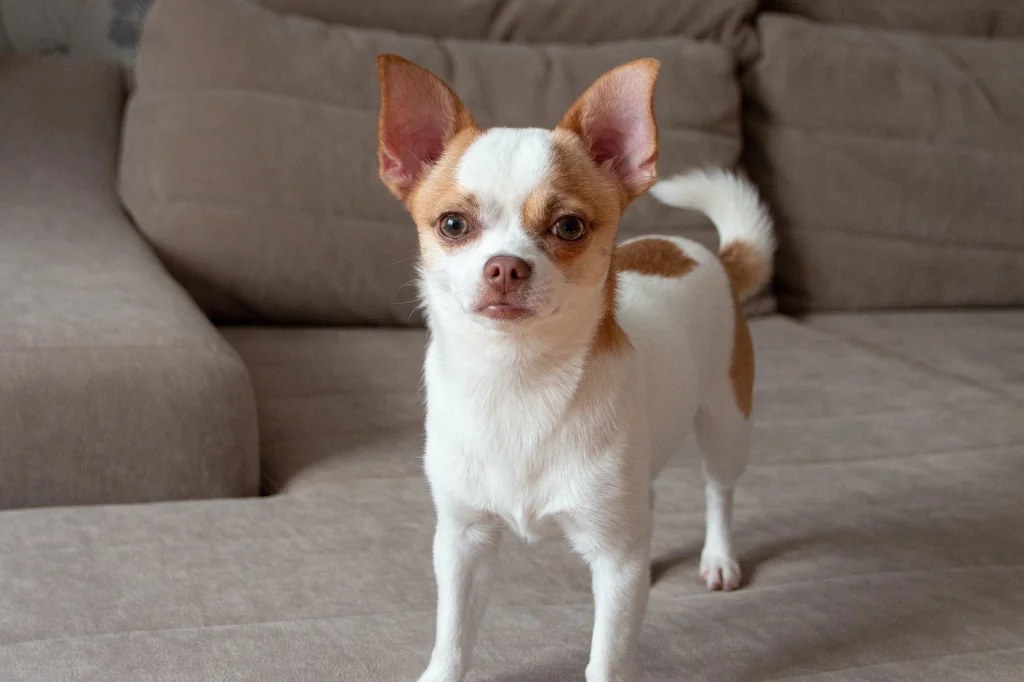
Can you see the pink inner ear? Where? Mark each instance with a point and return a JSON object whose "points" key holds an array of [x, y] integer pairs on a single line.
{"points": [[605, 148], [418, 118], [617, 124], [622, 133], [414, 137]]}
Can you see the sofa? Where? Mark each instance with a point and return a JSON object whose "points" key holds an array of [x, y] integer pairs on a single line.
{"points": [[210, 352]]}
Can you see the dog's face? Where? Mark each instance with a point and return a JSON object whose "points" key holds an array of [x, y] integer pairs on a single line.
{"points": [[515, 225]]}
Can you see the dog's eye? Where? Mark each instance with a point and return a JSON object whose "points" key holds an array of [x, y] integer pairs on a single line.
{"points": [[569, 228], [454, 226]]}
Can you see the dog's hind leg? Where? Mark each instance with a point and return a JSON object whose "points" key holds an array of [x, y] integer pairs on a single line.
{"points": [[723, 433]]}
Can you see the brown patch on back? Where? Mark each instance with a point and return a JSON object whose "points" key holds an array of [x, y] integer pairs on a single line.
{"points": [[747, 270], [741, 367], [660, 257], [652, 256]]}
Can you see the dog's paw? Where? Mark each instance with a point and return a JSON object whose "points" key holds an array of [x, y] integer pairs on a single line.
{"points": [[719, 572], [435, 676], [596, 673]]}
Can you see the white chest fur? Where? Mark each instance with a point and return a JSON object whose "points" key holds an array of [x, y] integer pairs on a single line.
{"points": [[524, 442]]}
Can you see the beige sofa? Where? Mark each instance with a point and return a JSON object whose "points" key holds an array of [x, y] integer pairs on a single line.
{"points": [[209, 403]]}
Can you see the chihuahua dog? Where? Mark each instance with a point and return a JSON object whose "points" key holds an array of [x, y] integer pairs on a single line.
{"points": [[563, 370]]}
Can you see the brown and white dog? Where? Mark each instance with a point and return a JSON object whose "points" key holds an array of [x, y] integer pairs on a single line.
{"points": [[564, 370]]}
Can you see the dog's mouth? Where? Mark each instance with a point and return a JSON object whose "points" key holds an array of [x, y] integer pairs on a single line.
{"points": [[505, 312], [505, 308]]}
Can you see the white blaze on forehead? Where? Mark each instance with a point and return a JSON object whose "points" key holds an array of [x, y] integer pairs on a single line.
{"points": [[504, 165]]}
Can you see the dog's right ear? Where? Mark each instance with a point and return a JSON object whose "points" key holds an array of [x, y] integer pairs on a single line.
{"points": [[419, 115]]}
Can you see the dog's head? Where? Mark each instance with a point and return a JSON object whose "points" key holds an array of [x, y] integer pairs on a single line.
{"points": [[516, 224]]}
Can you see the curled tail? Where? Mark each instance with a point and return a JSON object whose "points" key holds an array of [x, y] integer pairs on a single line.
{"points": [[743, 223]]}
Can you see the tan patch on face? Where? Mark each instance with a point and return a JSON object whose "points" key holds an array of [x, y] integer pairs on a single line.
{"points": [[576, 186], [652, 256], [741, 367], [747, 271], [438, 193]]}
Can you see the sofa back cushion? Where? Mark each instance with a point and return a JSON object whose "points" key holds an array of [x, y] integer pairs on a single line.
{"points": [[249, 157], [982, 18], [894, 163], [544, 21]]}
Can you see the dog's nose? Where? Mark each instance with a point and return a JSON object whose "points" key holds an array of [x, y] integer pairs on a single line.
{"points": [[506, 273]]}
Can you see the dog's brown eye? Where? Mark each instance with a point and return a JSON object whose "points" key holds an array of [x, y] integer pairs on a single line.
{"points": [[454, 226], [569, 228]]}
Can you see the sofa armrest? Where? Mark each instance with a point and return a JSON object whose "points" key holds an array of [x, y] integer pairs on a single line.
{"points": [[113, 385]]}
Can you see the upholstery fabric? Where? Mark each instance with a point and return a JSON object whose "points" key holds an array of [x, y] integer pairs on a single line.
{"points": [[548, 21], [249, 155], [880, 526], [113, 386], [109, 28], [894, 163], [981, 18]]}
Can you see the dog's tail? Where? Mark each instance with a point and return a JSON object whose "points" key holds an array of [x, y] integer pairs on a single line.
{"points": [[744, 225]]}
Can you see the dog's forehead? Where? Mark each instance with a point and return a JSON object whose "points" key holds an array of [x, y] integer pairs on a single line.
{"points": [[503, 166]]}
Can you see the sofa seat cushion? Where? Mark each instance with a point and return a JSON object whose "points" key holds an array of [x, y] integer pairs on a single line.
{"points": [[880, 526], [984, 347], [250, 150], [113, 385], [894, 164], [343, 404], [324, 392]]}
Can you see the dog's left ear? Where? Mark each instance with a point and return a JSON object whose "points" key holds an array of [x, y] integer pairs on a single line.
{"points": [[615, 120]]}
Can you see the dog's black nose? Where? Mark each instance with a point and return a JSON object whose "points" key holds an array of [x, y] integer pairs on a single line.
{"points": [[506, 273]]}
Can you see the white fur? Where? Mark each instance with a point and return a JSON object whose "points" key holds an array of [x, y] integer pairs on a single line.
{"points": [[504, 165], [528, 430]]}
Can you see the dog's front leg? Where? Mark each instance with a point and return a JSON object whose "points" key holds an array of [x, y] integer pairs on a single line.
{"points": [[621, 570], [465, 544], [621, 586]]}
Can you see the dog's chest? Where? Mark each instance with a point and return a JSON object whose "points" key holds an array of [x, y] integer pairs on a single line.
{"points": [[527, 484], [529, 502], [528, 457]]}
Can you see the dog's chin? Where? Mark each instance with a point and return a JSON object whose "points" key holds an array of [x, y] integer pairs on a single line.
{"points": [[504, 315]]}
